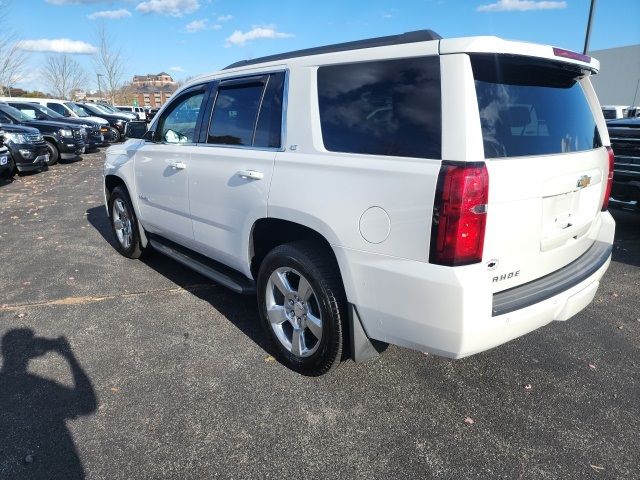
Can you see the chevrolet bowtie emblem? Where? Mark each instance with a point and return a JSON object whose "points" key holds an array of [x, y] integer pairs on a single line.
{"points": [[584, 181]]}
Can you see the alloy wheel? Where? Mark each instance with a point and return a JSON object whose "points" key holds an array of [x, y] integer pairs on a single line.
{"points": [[293, 311]]}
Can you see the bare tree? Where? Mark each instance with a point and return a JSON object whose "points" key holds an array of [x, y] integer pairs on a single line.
{"points": [[12, 58], [109, 63], [63, 75]]}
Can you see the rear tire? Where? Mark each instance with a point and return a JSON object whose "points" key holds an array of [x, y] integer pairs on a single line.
{"points": [[124, 224], [54, 153], [303, 307]]}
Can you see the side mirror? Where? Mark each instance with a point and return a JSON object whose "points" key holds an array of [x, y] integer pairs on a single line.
{"points": [[40, 117], [135, 129], [67, 113]]}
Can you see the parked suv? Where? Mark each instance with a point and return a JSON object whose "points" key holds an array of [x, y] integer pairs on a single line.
{"points": [[138, 111], [93, 135], [446, 195], [117, 122], [27, 148], [62, 107], [60, 138], [625, 140]]}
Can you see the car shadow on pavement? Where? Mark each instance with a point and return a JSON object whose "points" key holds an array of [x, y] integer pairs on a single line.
{"points": [[69, 160], [34, 439], [626, 248], [240, 310]]}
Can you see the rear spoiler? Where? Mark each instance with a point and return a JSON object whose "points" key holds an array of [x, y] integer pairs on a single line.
{"points": [[495, 45]]}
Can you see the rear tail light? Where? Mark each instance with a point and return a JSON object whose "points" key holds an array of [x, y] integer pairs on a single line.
{"points": [[459, 214], [607, 190]]}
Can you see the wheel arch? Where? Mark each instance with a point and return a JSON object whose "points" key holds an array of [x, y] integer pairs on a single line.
{"points": [[111, 181], [269, 232]]}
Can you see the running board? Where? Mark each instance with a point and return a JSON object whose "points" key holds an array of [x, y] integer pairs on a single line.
{"points": [[215, 271]]}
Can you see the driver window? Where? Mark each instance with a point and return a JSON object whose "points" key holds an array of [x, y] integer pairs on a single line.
{"points": [[178, 124], [56, 108]]}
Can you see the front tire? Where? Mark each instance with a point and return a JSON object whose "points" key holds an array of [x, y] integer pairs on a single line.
{"points": [[54, 153], [303, 307], [124, 224], [115, 134]]}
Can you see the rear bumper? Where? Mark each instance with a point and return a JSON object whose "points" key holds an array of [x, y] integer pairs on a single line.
{"points": [[450, 311]]}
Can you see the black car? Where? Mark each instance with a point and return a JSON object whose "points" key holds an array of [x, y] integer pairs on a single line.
{"points": [[94, 137], [625, 141], [60, 138], [27, 148], [116, 122]]}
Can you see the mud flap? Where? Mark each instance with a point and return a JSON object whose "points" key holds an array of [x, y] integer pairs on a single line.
{"points": [[362, 347]]}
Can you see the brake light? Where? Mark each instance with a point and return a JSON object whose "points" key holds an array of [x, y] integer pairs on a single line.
{"points": [[607, 190], [560, 52], [459, 214]]}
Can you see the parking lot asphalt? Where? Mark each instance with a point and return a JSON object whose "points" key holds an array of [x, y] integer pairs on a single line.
{"points": [[166, 375]]}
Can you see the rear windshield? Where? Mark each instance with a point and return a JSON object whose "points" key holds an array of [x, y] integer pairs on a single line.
{"points": [[531, 108]]}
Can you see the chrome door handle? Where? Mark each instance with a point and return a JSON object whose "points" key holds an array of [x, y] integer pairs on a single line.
{"points": [[252, 174], [178, 165]]}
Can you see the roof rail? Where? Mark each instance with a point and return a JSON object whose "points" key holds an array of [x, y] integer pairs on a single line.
{"points": [[408, 37]]}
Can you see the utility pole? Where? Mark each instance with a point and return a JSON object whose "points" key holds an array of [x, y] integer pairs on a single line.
{"points": [[588, 35]]}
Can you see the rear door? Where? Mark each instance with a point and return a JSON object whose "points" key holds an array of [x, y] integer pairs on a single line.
{"points": [[546, 161], [231, 169]]}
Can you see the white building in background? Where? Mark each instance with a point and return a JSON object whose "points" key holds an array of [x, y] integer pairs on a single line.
{"points": [[618, 82]]}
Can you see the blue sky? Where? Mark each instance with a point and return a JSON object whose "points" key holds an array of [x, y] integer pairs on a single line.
{"points": [[189, 37]]}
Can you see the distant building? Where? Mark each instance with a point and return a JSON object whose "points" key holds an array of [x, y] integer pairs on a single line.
{"points": [[618, 82], [153, 90]]}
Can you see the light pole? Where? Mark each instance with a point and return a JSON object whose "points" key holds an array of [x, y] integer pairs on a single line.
{"points": [[99, 86], [588, 35]]}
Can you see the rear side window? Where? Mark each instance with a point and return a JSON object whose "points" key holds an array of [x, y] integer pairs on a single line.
{"points": [[389, 107], [248, 113], [531, 108]]}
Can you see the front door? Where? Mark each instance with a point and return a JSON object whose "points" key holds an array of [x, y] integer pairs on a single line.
{"points": [[162, 168], [230, 172]]}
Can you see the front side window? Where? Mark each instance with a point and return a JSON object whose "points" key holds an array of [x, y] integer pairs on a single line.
{"points": [[530, 107], [56, 107], [178, 123], [389, 107]]}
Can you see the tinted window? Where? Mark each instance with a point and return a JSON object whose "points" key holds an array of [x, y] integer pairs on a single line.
{"points": [[529, 108], [56, 107], [389, 107], [609, 114], [269, 127], [178, 123], [234, 114]]}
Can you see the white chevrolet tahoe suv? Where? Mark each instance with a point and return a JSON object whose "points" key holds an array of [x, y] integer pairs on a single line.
{"points": [[446, 195]]}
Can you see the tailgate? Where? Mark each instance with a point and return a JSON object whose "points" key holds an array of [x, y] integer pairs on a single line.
{"points": [[547, 166]]}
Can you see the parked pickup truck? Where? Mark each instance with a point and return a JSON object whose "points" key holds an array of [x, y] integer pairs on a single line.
{"points": [[625, 140]]}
